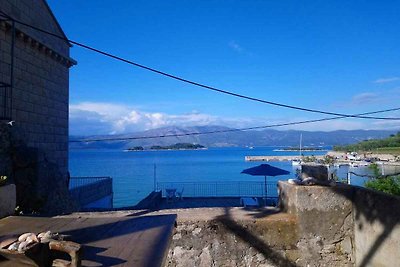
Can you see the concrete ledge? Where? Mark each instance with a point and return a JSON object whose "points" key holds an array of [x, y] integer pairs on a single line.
{"points": [[258, 239], [298, 198], [345, 221], [325, 222], [7, 200], [377, 228]]}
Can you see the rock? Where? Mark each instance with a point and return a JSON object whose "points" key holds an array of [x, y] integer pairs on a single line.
{"points": [[178, 251], [23, 237], [346, 245], [22, 246], [196, 231], [177, 236], [260, 257], [44, 234], [32, 238], [205, 258], [14, 246], [328, 248], [183, 257]]}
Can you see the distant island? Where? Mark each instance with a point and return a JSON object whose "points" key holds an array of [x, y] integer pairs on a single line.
{"points": [[177, 146], [136, 148], [227, 138]]}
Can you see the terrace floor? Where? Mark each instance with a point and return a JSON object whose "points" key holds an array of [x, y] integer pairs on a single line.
{"points": [[108, 240], [199, 203], [205, 202], [195, 214]]}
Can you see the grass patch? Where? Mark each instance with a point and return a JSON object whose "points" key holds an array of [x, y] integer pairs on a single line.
{"points": [[388, 150]]}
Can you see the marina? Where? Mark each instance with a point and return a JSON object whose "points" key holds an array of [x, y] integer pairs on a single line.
{"points": [[277, 158]]}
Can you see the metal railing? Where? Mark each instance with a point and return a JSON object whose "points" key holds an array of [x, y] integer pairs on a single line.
{"points": [[87, 190], [220, 189]]}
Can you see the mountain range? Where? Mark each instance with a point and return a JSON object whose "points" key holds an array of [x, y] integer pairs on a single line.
{"points": [[267, 137]]}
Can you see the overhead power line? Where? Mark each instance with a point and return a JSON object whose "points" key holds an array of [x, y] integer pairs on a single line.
{"points": [[204, 86], [222, 131]]}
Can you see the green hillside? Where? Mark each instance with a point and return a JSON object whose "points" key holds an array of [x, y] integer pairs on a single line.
{"points": [[389, 145]]}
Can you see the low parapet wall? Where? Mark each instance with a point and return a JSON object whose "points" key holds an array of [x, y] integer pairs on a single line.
{"points": [[152, 201], [376, 229], [227, 240], [352, 224], [324, 222]]}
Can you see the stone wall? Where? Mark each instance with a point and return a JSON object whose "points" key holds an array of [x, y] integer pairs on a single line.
{"points": [[338, 225], [41, 79], [229, 242], [354, 225], [325, 222], [376, 228], [38, 161], [39, 185]]}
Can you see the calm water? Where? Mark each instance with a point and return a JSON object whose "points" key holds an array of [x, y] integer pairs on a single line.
{"points": [[133, 172]]}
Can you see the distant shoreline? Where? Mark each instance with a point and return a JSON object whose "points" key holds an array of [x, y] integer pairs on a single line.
{"points": [[170, 149], [298, 150]]}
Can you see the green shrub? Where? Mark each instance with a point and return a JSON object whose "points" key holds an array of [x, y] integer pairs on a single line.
{"points": [[389, 185]]}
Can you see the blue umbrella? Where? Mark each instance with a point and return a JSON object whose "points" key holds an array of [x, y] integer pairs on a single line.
{"points": [[265, 170]]}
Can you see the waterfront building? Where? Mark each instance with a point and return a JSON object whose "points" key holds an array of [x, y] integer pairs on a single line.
{"points": [[34, 100]]}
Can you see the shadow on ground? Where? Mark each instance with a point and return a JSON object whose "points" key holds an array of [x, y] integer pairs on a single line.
{"points": [[107, 241]]}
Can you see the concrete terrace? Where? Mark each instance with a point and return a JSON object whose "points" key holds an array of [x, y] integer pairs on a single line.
{"points": [[131, 237], [314, 226], [109, 240], [189, 214], [199, 202], [227, 228]]}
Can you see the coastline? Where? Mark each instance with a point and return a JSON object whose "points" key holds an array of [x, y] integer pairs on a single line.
{"points": [[298, 150], [177, 149]]}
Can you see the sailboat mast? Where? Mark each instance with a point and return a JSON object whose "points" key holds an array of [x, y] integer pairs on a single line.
{"points": [[301, 137]]}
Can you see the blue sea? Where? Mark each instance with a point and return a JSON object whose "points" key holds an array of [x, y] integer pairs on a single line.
{"points": [[134, 173]]}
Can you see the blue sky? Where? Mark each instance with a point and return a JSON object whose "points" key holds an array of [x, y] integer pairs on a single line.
{"points": [[341, 56]]}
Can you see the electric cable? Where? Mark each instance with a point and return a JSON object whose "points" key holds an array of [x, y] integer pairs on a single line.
{"points": [[193, 82], [221, 131]]}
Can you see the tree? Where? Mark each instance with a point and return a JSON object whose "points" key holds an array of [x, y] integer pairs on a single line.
{"points": [[389, 185], [386, 184]]}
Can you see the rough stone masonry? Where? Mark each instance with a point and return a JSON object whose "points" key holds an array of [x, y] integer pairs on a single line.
{"points": [[40, 94]]}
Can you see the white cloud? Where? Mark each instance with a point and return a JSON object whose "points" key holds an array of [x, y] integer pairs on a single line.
{"points": [[95, 118], [387, 98], [332, 125], [236, 47], [387, 80], [365, 98], [108, 118]]}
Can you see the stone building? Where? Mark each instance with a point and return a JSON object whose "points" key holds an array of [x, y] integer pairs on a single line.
{"points": [[34, 93]]}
